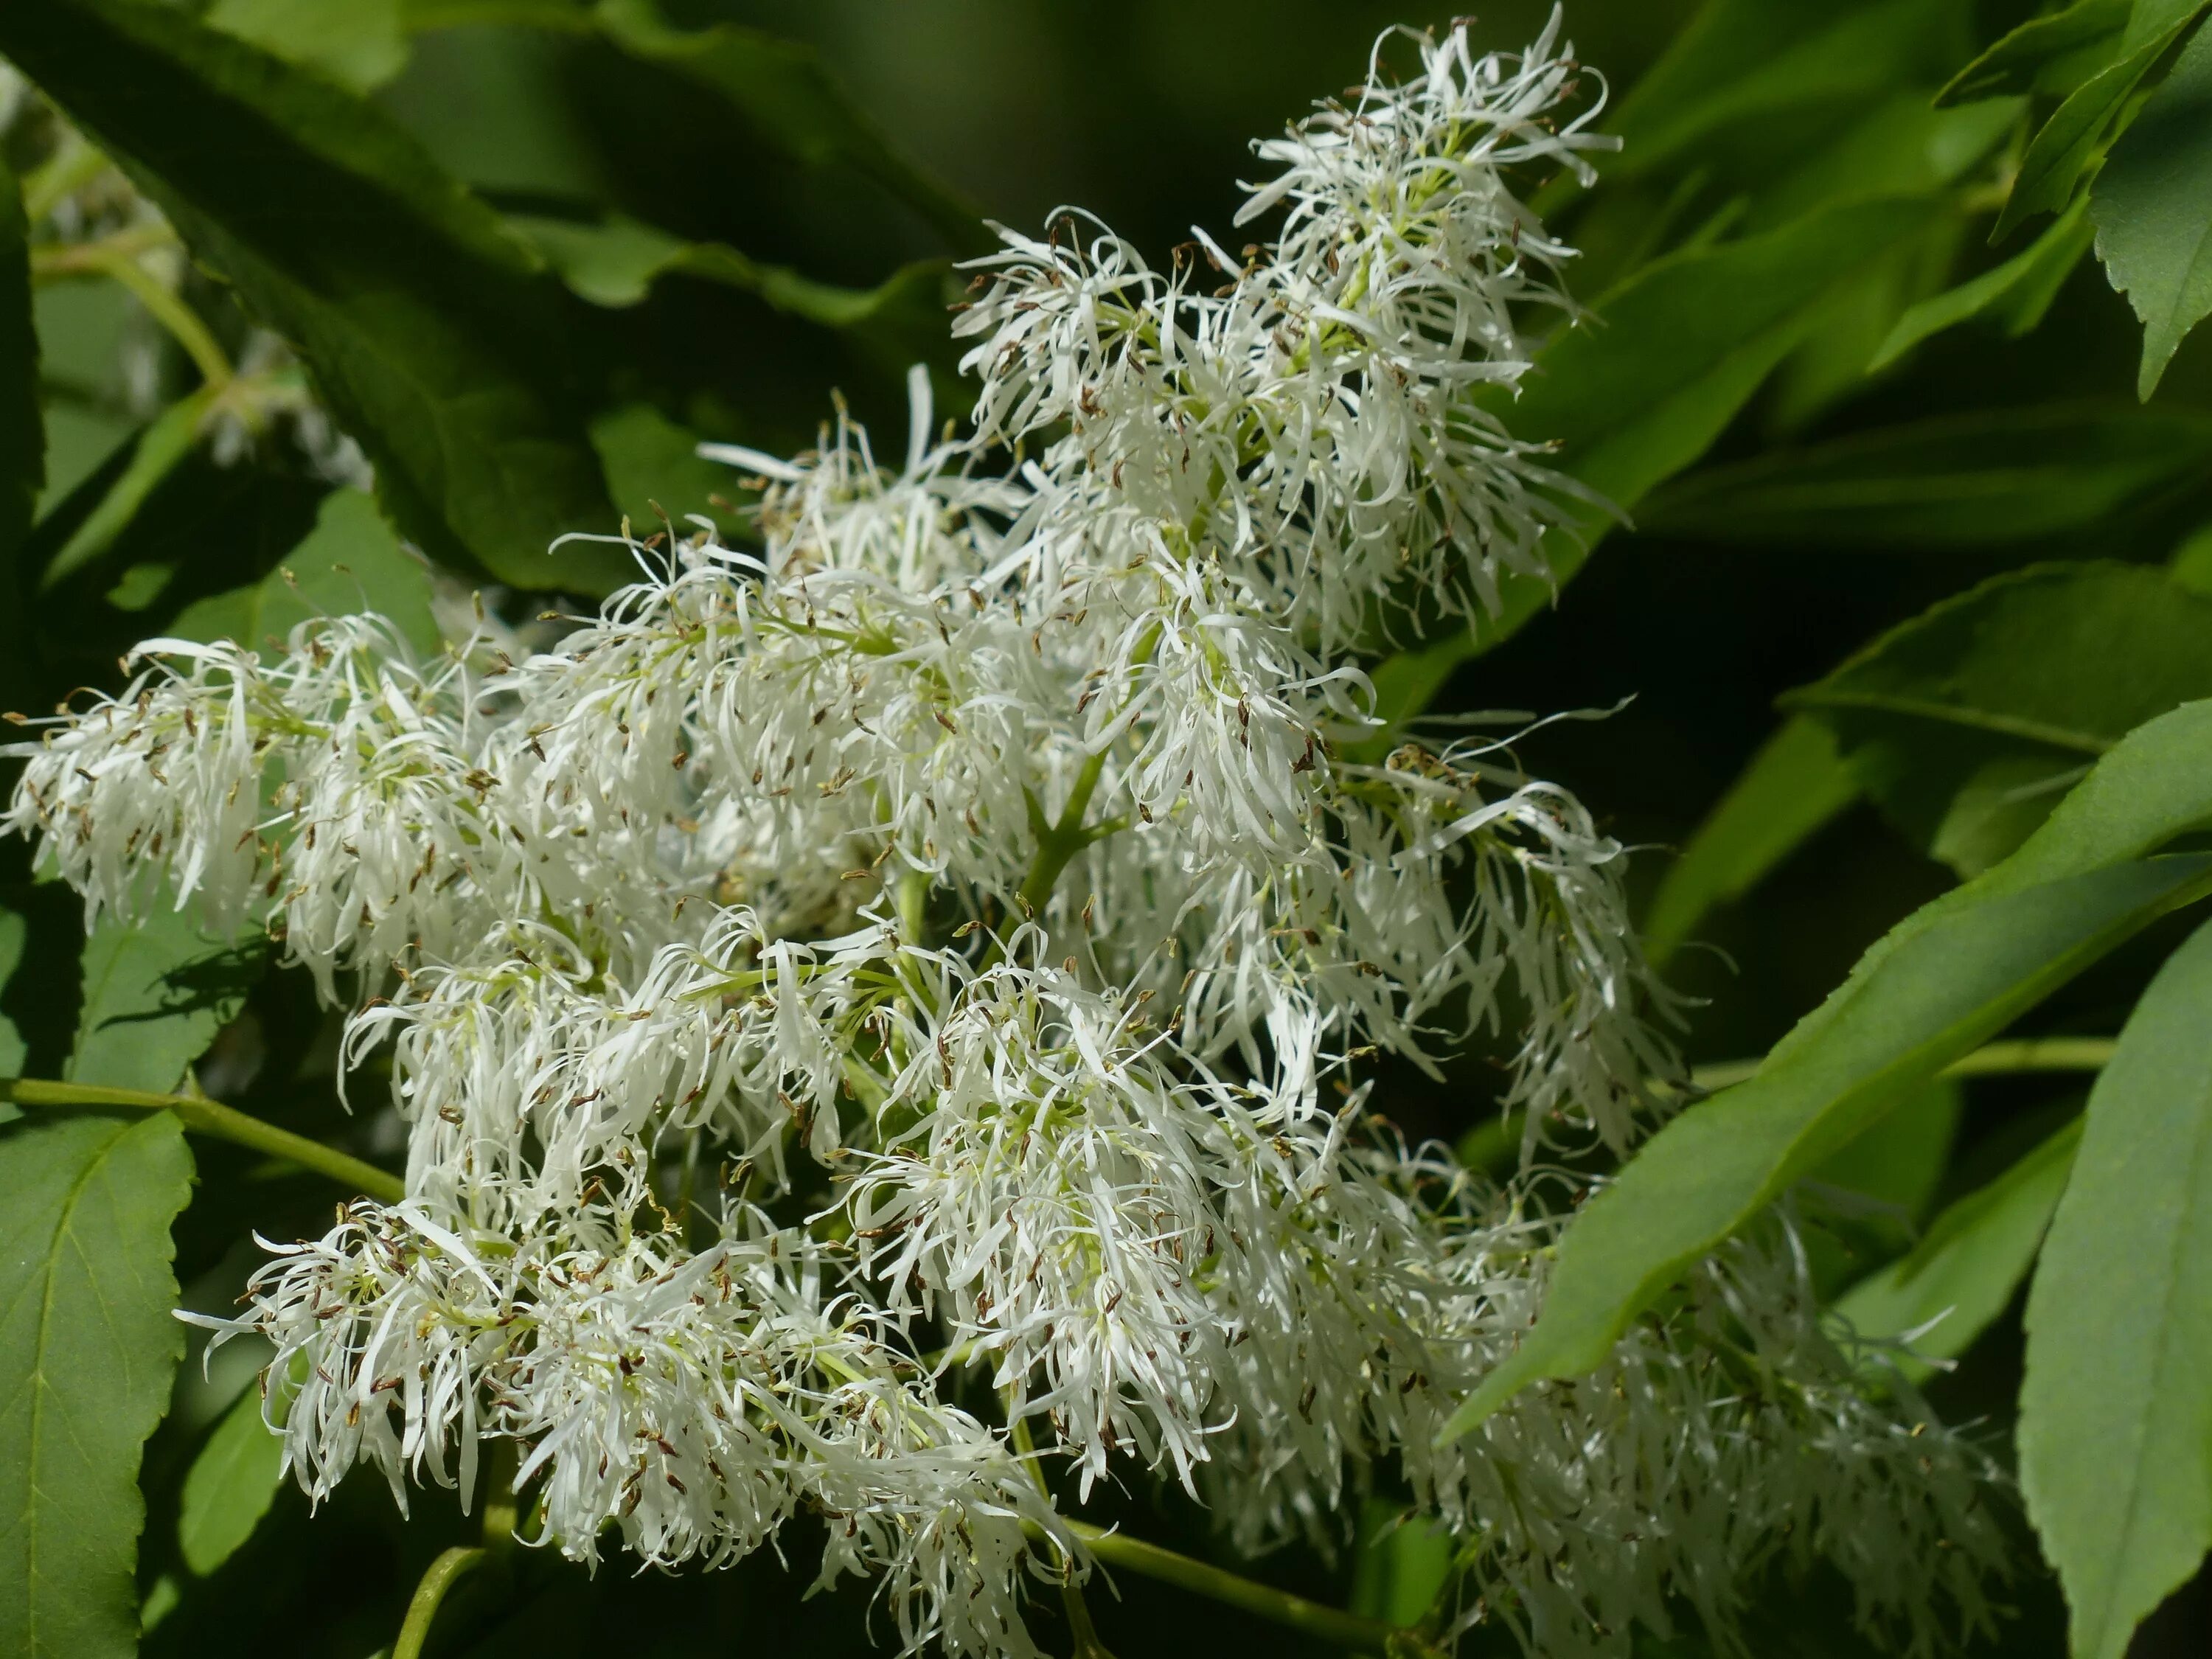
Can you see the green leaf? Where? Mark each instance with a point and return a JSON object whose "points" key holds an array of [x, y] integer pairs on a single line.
{"points": [[1794, 785], [88, 1349], [155, 993], [2070, 143], [2017, 294], [1984, 479], [358, 44], [13, 931], [1968, 723], [1963, 1272], [22, 430], [785, 94], [615, 261], [2115, 1417], [2191, 567], [2054, 53], [653, 462], [1403, 1561], [1632, 399], [2152, 202], [350, 561], [160, 448], [433, 335], [1742, 63], [2157, 20], [230, 1486], [1950, 975], [1863, 1204]]}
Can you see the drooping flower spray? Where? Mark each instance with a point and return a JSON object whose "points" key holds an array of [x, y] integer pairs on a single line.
{"points": [[986, 848]]}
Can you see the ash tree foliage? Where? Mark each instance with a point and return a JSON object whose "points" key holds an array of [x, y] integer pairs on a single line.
{"points": [[885, 918]]}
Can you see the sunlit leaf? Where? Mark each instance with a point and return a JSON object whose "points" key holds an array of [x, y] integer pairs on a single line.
{"points": [[350, 561], [157, 990], [88, 1349], [230, 1486], [432, 332]]}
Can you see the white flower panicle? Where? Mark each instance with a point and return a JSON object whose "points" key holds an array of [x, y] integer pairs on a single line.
{"points": [[946, 947]]}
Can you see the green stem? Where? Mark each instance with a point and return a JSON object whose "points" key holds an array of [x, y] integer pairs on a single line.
{"points": [[209, 1117], [183, 323], [444, 1573], [1346, 1629], [1057, 845]]}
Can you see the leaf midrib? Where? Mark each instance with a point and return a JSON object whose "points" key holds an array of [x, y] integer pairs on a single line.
{"points": [[1979, 719], [61, 1233], [2162, 1340]]}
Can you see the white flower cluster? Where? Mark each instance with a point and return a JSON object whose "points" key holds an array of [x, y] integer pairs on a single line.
{"points": [[979, 884]]}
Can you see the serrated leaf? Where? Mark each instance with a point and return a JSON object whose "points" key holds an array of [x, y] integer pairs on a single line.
{"points": [[2116, 1420], [350, 562], [88, 1349], [2015, 294], [1968, 723], [1795, 784], [1984, 479], [2070, 143], [2052, 53], [434, 335], [156, 991], [230, 1486], [1949, 976], [2152, 202], [1961, 1275]]}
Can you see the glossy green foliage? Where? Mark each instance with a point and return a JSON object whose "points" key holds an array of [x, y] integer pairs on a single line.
{"points": [[1949, 977], [432, 332], [1957, 1280], [2152, 203], [230, 1486], [2115, 1423], [1969, 723], [88, 1347], [157, 990]]}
